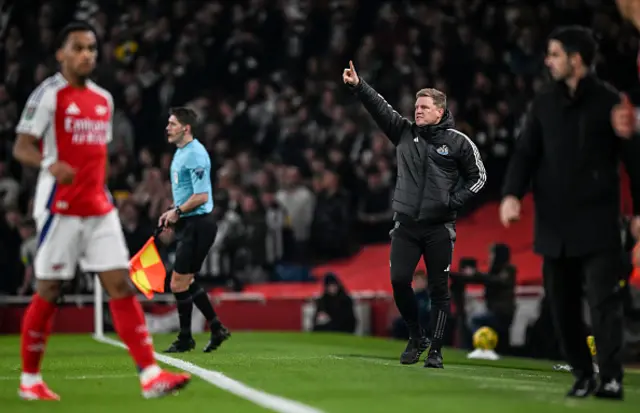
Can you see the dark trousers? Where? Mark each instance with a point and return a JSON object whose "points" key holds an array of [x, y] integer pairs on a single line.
{"points": [[434, 243], [597, 277]]}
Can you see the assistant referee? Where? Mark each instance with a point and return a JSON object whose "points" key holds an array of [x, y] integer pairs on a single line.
{"points": [[195, 228]]}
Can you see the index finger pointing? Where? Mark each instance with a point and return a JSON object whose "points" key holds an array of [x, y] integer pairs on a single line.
{"points": [[351, 66]]}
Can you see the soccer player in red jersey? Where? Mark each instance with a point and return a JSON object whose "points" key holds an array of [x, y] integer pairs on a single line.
{"points": [[71, 118]]}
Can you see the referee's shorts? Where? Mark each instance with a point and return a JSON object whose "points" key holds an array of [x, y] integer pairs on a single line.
{"points": [[194, 237]]}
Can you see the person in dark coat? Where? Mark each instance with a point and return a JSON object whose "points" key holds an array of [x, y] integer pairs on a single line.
{"points": [[334, 309], [570, 154]]}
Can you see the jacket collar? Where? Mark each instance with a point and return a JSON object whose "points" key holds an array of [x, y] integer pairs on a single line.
{"points": [[585, 85], [427, 131]]}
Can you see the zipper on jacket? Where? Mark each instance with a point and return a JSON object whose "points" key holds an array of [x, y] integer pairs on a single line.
{"points": [[424, 178]]}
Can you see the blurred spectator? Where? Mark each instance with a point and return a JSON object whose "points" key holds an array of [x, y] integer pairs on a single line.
{"points": [[331, 226], [375, 215], [9, 188], [136, 232], [334, 309], [223, 260], [299, 202], [253, 247], [499, 294]]}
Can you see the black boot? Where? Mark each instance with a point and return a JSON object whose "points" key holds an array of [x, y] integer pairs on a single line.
{"points": [[181, 345], [218, 336], [434, 359], [415, 347], [610, 389], [583, 387]]}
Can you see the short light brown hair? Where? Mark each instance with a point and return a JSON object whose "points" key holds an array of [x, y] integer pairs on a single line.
{"points": [[439, 98]]}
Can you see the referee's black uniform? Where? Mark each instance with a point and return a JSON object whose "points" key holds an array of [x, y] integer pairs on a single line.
{"points": [[439, 170], [570, 153]]}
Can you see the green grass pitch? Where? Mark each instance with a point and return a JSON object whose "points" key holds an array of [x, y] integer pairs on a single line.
{"points": [[332, 373]]}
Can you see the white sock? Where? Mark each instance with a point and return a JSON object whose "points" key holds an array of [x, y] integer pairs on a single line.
{"points": [[30, 379], [149, 373]]}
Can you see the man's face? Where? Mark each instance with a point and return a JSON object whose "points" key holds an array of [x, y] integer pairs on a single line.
{"points": [[79, 53], [558, 61], [427, 113], [175, 130]]}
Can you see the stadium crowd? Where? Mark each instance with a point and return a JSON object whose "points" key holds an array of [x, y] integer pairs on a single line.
{"points": [[302, 174]]}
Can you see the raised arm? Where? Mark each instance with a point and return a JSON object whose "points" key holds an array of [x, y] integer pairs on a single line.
{"points": [[390, 121]]}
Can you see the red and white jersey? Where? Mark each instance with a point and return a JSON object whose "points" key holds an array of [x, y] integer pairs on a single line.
{"points": [[74, 126]]}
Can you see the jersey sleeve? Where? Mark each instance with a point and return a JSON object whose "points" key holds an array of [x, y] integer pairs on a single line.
{"points": [[38, 112], [199, 169], [111, 118]]}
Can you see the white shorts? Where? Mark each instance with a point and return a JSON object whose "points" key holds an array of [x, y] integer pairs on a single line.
{"points": [[96, 243]]}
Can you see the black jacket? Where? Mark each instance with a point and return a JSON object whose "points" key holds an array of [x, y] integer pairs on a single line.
{"points": [[570, 153], [439, 168]]}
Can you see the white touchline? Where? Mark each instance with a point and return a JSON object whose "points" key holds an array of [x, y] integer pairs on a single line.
{"points": [[266, 400]]}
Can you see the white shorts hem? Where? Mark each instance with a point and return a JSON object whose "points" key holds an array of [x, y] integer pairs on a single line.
{"points": [[55, 277], [112, 267]]}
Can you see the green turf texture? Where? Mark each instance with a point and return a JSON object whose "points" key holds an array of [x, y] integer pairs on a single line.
{"points": [[333, 373]]}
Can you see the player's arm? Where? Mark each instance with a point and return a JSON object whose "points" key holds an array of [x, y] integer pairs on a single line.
{"points": [[36, 118], [200, 183], [390, 121], [473, 172], [26, 151], [526, 156], [194, 202]]}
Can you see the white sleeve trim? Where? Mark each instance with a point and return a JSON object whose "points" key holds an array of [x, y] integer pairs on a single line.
{"points": [[477, 186]]}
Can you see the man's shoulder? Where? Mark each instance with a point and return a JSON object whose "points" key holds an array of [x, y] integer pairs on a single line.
{"points": [[458, 139], [196, 152], [47, 90], [99, 90], [608, 91]]}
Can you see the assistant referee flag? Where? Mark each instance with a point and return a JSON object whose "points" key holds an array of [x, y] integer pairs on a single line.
{"points": [[147, 271]]}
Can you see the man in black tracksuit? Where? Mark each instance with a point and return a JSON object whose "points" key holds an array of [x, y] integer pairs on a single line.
{"points": [[439, 170], [570, 153]]}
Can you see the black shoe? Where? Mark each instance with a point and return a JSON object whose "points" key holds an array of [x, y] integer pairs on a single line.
{"points": [[583, 387], [434, 359], [217, 337], [181, 345], [610, 389], [414, 349]]}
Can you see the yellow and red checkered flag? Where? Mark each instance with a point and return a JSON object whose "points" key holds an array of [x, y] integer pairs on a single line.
{"points": [[146, 269]]}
